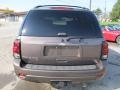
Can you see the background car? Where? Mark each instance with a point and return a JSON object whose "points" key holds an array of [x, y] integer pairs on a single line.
{"points": [[112, 33]]}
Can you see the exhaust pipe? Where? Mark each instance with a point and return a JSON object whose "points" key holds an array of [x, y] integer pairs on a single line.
{"points": [[59, 84], [84, 85]]}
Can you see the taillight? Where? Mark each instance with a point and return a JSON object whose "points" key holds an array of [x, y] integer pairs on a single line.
{"points": [[16, 48], [105, 50]]}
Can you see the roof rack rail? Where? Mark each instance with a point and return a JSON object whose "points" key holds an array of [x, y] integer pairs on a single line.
{"points": [[62, 5]]}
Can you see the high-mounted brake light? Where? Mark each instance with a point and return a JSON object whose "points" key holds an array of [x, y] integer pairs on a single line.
{"points": [[61, 8], [16, 48], [105, 50]]}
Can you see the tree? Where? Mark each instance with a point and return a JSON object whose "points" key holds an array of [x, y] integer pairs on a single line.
{"points": [[98, 12], [8, 11], [115, 14]]}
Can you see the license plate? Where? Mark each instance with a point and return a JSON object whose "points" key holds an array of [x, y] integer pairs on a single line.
{"points": [[62, 51]]}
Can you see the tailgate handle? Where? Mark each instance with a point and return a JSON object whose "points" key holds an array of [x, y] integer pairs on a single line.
{"points": [[61, 60]]}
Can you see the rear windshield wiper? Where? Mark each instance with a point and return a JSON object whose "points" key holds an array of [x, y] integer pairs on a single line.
{"points": [[79, 37], [73, 37]]}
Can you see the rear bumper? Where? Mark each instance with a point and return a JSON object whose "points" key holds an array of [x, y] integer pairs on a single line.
{"points": [[45, 76]]}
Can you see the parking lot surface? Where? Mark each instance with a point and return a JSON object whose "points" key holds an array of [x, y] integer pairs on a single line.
{"points": [[9, 81]]}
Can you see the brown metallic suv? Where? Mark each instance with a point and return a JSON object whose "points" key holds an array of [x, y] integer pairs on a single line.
{"points": [[60, 43]]}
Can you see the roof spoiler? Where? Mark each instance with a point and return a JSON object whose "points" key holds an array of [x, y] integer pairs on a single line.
{"points": [[61, 5]]}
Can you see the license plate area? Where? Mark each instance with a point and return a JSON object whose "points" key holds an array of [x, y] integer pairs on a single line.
{"points": [[64, 51]]}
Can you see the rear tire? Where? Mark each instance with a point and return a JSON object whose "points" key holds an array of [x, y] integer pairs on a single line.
{"points": [[118, 40]]}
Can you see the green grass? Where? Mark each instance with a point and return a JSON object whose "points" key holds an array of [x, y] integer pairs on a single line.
{"points": [[106, 23]]}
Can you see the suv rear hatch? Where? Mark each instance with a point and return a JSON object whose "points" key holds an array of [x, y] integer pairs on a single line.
{"points": [[60, 37]]}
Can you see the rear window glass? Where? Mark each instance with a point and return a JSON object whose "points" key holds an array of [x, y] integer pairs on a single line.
{"points": [[52, 22], [114, 27]]}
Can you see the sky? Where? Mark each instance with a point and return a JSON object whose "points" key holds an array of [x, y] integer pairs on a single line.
{"points": [[25, 5]]}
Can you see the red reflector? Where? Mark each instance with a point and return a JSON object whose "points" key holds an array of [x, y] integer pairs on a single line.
{"points": [[16, 47], [105, 48], [100, 74], [22, 76]]}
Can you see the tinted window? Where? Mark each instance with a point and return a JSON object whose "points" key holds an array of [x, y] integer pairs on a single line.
{"points": [[115, 27], [51, 22]]}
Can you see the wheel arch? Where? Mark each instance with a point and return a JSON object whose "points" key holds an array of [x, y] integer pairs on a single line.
{"points": [[117, 37]]}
